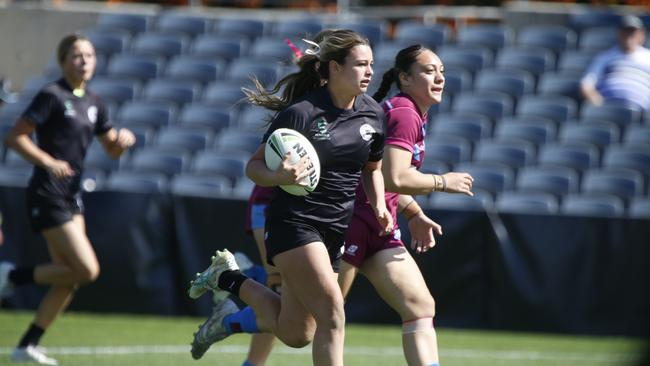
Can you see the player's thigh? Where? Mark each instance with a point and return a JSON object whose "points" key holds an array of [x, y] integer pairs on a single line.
{"points": [[307, 273], [398, 280], [70, 245]]}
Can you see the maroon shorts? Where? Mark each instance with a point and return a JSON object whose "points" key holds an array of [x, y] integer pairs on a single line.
{"points": [[361, 242]]}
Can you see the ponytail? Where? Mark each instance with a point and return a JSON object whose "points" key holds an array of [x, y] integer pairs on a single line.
{"points": [[387, 80]]}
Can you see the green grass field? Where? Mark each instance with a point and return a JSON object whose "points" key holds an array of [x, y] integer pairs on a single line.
{"points": [[104, 339]]}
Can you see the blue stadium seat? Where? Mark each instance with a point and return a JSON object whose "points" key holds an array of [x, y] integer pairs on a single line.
{"points": [[214, 117], [556, 108], [139, 67], [158, 160], [241, 71], [164, 45], [384, 53], [237, 140], [492, 36], [536, 61], [513, 153], [443, 201], [109, 43], [97, 159], [373, 29], [195, 69], [556, 38], [15, 176], [151, 114], [560, 83], [115, 90], [448, 149], [254, 119], [300, 28], [515, 83], [221, 48], [200, 185], [592, 205], [537, 132], [637, 135], [600, 134], [598, 39], [434, 167], [10, 113], [271, 49], [471, 59], [575, 62], [190, 26], [171, 91], [592, 19], [13, 159], [471, 127], [456, 81], [640, 208], [489, 177], [143, 136], [248, 28], [184, 138], [527, 203], [132, 23], [31, 87], [493, 105], [137, 182], [613, 112], [623, 183], [224, 93], [636, 157], [575, 156], [215, 163], [548, 179], [430, 35]]}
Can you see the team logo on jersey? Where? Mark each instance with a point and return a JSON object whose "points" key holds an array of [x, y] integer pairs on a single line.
{"points": [[366, 131], [321, 132], [351, 250], [92, 114], [69, 109]]}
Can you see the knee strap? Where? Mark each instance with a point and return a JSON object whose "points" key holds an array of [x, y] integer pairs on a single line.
{"points": [[417, 325]]}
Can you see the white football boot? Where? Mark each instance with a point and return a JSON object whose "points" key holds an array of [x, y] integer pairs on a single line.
{"points": [[212, 330], [32, 354], [209, 279]]}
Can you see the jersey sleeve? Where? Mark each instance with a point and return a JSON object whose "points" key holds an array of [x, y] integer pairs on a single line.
{"points": [[595, 70], [103, 124], [403, 128], [41, 107], [291, 117]]}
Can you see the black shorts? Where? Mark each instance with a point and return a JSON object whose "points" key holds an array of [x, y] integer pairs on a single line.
{"points": [[283, 235], [48, 212]]}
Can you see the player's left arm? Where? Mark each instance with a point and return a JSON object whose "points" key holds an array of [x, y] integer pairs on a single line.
{"points": [[373, 184], [116, 142]]}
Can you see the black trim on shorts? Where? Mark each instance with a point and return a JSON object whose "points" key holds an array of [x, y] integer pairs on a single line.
{"points": [[48, 212]]}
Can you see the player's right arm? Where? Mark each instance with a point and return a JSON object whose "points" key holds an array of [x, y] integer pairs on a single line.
{"points": [[19, 139]]}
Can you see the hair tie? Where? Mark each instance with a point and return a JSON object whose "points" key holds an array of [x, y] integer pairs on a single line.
{"points": [[313, 52]]}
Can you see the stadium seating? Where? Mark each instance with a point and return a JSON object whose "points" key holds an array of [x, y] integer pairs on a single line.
{"points": [[489, 177], [533, 60], [297, 29], [600, 133], [623, 183], [109, 43], [15, 176], [556, 38], [184, 138], [470, 59], [513, 153], [220, 48], [133, 66], [159, 160], [199, 185], [639, 208], [115, 90], [179, 92], [552, 179], [151, 114], [598, 38], [132, 23], [471, 127], [556, 108], [164, 45], [271, 49], [575, 61], [527, 203], [491, 36], [637, 135], [224, 93], [195, 69], [575, 156], [635, 157], [448, 149], [373, 29], [430, 35], [248, 28], [561, 83], [190, 26], [537, 132], [214, 163], [592, 205], [242, 71], [613, 112], [137, 182], [214, 117], [238, 140], [493, 105], [515, 83]]}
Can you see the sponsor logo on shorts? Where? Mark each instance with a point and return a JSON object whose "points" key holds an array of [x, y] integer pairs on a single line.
{"points": [[351, 250]]}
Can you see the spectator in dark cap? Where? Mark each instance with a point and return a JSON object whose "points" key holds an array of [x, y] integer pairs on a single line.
{"points": [[622, 73]]}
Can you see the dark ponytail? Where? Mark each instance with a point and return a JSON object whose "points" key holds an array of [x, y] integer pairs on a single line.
{"points": [[387, 80]]}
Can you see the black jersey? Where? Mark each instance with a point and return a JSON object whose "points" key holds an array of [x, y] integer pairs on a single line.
{"points": [[345, 140], [65, 125]]}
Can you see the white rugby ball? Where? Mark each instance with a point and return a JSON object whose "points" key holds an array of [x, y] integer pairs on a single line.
{"points": [[284, 140]]}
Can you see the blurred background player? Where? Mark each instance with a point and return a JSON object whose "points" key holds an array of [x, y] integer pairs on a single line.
{"points": [[65, 117], [419, 75], [622, 73]]}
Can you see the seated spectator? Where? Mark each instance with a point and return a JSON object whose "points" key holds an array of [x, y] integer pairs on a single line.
{"points": [[622, 73]]}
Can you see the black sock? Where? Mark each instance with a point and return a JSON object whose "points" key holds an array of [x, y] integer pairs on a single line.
{"points": [[32, 336], [231, 281], [22, 276]]}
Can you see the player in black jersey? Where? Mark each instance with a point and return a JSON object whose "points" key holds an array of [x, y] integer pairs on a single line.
{"points": [[65, 116], [304, 234]]}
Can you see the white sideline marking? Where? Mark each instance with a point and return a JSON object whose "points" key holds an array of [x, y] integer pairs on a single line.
{"points": [[358, 351]]}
